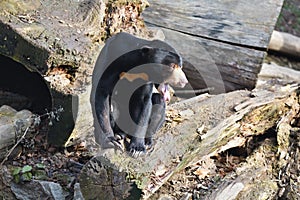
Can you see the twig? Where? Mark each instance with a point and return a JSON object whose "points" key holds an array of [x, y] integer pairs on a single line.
{"points": [[13, 148], [36, 121], [209, 89]]}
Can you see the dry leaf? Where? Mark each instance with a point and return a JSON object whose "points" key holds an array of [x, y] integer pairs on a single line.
{"points": [[202, 173]]}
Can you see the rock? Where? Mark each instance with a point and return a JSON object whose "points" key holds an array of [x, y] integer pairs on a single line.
{"points": [[10, 119], [77, 192], [38, 190]]}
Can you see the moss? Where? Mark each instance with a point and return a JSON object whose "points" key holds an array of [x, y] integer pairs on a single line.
{"points": [[19, 7]]}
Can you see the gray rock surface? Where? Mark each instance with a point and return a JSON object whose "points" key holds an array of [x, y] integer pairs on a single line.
{"points": [[38, 190], [10, 119]]}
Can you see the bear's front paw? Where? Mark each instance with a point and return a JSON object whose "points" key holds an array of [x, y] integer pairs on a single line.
{"points": [[136, 147], [113, 142]]}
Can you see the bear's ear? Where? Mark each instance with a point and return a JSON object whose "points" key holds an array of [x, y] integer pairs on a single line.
{"points": [[146, 49]]}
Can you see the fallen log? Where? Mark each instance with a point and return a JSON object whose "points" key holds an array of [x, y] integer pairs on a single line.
{"points": [[253, 149], [171, 144], [184, 145], [285, 43]]}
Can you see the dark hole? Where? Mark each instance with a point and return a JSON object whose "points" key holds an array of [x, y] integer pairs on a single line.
{"points": [[22, 89]]}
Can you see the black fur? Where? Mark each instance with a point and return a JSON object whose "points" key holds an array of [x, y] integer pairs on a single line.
{"points": [[130, 107]]}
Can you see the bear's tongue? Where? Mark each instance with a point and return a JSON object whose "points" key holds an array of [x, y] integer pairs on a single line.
{"points": [[163, 88]]}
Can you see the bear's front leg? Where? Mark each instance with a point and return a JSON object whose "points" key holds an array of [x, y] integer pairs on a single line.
{"points": [[157, 117], [140, 110], [106, 136]]}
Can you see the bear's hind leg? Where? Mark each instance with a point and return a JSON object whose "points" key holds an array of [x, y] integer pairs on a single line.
{"points": [[140, 110], [157, 117]]}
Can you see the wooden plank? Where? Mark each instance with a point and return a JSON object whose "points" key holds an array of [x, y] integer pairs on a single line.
{"points": [[241, 22], [224, 42]]}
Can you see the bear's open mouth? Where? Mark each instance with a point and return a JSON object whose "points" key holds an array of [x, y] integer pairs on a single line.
{"points": [[163, 89]]}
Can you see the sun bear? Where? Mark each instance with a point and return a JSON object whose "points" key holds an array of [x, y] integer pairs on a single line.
{"points": [[125, 104]]}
